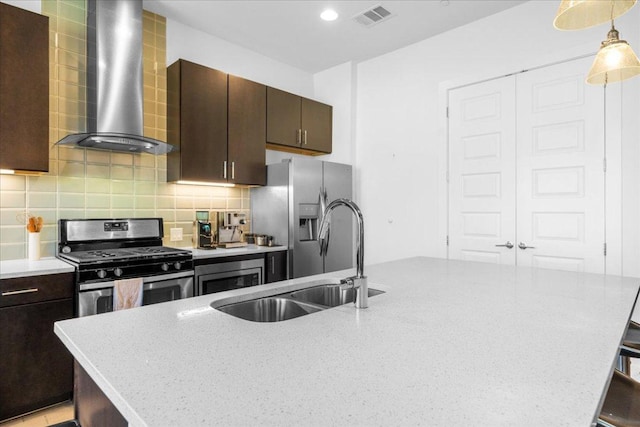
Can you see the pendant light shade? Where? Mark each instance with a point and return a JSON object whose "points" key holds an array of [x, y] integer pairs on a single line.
{"points": [[581, 14], [615, 61]]}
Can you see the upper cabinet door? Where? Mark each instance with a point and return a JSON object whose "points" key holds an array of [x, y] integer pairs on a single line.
{"points": [[316, 125], [197, 123], [247, 132], [283, 118], [24, 85]]}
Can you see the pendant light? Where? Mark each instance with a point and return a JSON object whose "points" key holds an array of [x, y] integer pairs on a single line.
{"points": [[581, 14], [615, 61]]}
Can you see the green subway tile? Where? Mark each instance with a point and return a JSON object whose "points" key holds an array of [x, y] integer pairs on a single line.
{"points": [[145, 188], [123, 159], [184, 203], [48, 249], [123, 213], [164, 202], [145, 213], [168, 216], [122, 187], [13, 183], [98, 171], [43, 183], [71, 214], [74, 44], [145, 160], [144, 174], [185, 215], [98, 213], [121, 202], [166, 189], [234, 203], [161, 175], [49, 233], [70, 200], [12, 234], [12, 251], [161, 161], [99, 157], [13, 199], [97, 186], [145, 202], [72, 154], [122, 172], [9, 217], [71, 185], [98, 201], [41, 200], [72, 12], [71, 169], [201, 204], [218, 203]]}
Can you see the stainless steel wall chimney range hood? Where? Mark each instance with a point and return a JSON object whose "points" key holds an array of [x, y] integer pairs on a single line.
{"points": [[114, 81]]}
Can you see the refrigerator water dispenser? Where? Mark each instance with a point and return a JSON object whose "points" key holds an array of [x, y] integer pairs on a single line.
{"points": [[308, 222]]}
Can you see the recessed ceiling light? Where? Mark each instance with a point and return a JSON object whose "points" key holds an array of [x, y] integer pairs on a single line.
{"points": [[329, 15]]}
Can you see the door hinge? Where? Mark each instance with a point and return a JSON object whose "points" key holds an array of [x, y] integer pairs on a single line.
{"points": [[447, 240], [604, 165], [447, 112], [447, 177], [605, 249]]}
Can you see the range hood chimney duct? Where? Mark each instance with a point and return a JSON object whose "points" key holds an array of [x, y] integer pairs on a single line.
{"points": [[114, 81]]}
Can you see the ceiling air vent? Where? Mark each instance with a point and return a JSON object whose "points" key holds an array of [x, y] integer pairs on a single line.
{"points": [[372, 16]]}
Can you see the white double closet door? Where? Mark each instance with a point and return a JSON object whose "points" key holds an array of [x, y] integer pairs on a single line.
{"points": [[526, 172]]}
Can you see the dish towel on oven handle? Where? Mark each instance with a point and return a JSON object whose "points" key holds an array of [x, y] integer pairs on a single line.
{"points": [[127, 293]]}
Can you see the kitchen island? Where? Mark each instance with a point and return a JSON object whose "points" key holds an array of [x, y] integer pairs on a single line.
{"points": [[449, 343]]}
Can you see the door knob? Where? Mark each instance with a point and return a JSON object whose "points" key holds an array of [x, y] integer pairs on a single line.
{"points": [[508, 245], [523, 246]]}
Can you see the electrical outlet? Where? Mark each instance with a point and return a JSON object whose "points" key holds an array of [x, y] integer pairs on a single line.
{"points": [[176, 234]]}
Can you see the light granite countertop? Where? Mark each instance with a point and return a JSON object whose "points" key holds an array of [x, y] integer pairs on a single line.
{"points": [[450, 343], [24, 268]]}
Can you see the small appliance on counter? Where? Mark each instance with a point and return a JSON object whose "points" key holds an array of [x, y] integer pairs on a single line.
{"points": [[202, 231], [228, 232]]}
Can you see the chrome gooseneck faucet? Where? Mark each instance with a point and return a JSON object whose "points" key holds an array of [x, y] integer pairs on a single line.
{"points": [[359, 281]]}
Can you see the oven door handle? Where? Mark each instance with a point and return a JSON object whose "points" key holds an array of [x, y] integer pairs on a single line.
{"points": [[145, 279]]}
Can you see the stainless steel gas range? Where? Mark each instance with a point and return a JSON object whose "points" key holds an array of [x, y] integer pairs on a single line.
{"points": [[106, 250]]}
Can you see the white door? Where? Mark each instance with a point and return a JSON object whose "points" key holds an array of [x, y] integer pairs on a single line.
{"points": [[526, 169], [560, 171], [482, 173]]}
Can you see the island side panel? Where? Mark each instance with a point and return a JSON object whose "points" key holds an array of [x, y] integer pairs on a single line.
{"points": [[92, 407]]}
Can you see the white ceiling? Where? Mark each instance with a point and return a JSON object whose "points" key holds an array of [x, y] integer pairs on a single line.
{"points": [[292, 32]]}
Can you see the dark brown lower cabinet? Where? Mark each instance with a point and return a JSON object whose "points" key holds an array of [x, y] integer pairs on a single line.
{"points": [[275, 265], [93, 408], [36, 368]]}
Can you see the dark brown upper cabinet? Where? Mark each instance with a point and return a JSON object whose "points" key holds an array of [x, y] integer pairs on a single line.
{"points": [[298, 124], [24, 90], [218, 123], [196, 123], [247, 131]]}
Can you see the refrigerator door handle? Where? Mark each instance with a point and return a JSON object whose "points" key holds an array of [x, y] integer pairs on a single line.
{"points": [[324, 243]]}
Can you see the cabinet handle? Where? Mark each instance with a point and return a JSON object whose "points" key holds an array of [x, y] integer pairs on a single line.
{"points": [[224, 169], [304, 139], [299, 136], [273, 265], [21, 291], [233, 170]]}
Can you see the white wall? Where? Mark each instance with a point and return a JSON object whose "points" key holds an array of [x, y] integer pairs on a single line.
{"points": [[193, 45], [32, 5], [401, 130]]}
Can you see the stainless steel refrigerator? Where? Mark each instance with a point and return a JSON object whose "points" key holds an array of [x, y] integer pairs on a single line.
{"points": [[289, 208]]}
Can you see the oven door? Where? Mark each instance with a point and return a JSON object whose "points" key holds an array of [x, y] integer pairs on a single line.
{"points": [[96, 298], [226, 276]]}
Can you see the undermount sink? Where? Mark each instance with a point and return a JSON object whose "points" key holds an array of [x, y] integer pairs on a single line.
{"points": [[329, 295], [292, 304], [269, 309]]}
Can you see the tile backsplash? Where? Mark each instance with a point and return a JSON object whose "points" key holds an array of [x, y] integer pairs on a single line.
{"points": [[85, 183]]}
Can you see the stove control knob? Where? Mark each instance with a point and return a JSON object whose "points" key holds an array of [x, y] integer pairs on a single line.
{"points": [[178, 265], [164, 266], [117, 272], [101, 274]]}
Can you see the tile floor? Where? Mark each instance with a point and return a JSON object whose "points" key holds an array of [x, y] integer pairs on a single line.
{"points": [[43, 418]]}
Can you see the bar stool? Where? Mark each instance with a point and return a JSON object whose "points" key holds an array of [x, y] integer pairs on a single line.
{"points": [[630, 347], [621, 406]]}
